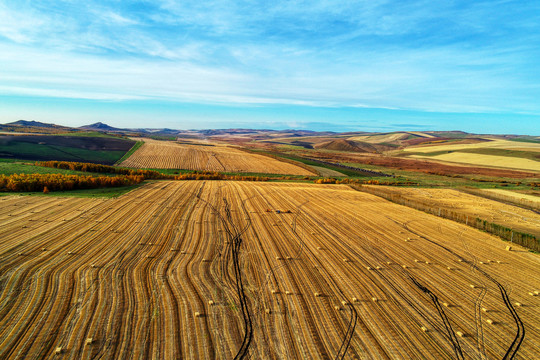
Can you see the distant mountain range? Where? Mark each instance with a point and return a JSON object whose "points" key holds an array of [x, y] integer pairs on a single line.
{"points": [[31, 126], [36, 126], [26, 123]]}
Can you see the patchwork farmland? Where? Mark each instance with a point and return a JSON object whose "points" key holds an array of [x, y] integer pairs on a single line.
{"points": [[213, 270], [212, 157], [494, 153]]}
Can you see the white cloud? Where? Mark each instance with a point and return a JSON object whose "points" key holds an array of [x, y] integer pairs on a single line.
{"points": [[18, 26], [112, 18]]}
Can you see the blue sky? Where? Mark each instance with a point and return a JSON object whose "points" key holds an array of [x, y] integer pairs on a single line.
{"points": [[325, 65]]}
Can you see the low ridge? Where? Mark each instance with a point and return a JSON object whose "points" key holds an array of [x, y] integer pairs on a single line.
{"points": [[346, 145]]}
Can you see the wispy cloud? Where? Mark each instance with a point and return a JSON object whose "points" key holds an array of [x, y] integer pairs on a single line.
{"points": [[19, 26], [422, 80]]}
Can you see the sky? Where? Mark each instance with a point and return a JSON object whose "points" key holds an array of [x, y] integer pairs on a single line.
{"points": [[364, 65]]}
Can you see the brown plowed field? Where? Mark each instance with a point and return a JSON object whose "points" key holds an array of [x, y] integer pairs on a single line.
{"points": [[201, 270], [155, 154]]}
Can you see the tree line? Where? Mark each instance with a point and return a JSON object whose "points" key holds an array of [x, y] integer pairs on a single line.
{"points": [[59, 182]]}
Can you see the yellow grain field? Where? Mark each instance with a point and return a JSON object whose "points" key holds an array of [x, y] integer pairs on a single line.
{"points": [[533, 200], [377, 139], [327, 172], [487, 160], [523, 220], [212, 157], [493, 144], [454, 154], [204, 270]]}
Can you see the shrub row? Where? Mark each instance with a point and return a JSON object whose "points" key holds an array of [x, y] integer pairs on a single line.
{"points": [[364, 182], [56, 182]]}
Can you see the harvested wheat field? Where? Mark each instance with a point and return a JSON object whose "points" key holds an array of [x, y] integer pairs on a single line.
{"points": [[203, 270], [474, 206], [487, 160], [491, 153], [492, 144], [380, 138], [530, 200], [327, 172], [155, 154]]}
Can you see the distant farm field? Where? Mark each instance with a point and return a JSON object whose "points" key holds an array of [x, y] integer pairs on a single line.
{"points": [[205, 270], [104, 150], [488, 160], [497, 153], [375, 139], [157, 154], [494, 144], [327, 172]]}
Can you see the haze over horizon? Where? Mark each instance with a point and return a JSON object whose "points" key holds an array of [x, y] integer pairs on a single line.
{"points": [[323, 65]]}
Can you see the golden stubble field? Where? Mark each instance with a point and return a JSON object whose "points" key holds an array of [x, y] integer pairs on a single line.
{"points": [[487, 160], [155, 154], [532, 201], [454, 155], [510, 216], [202, 270]]}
